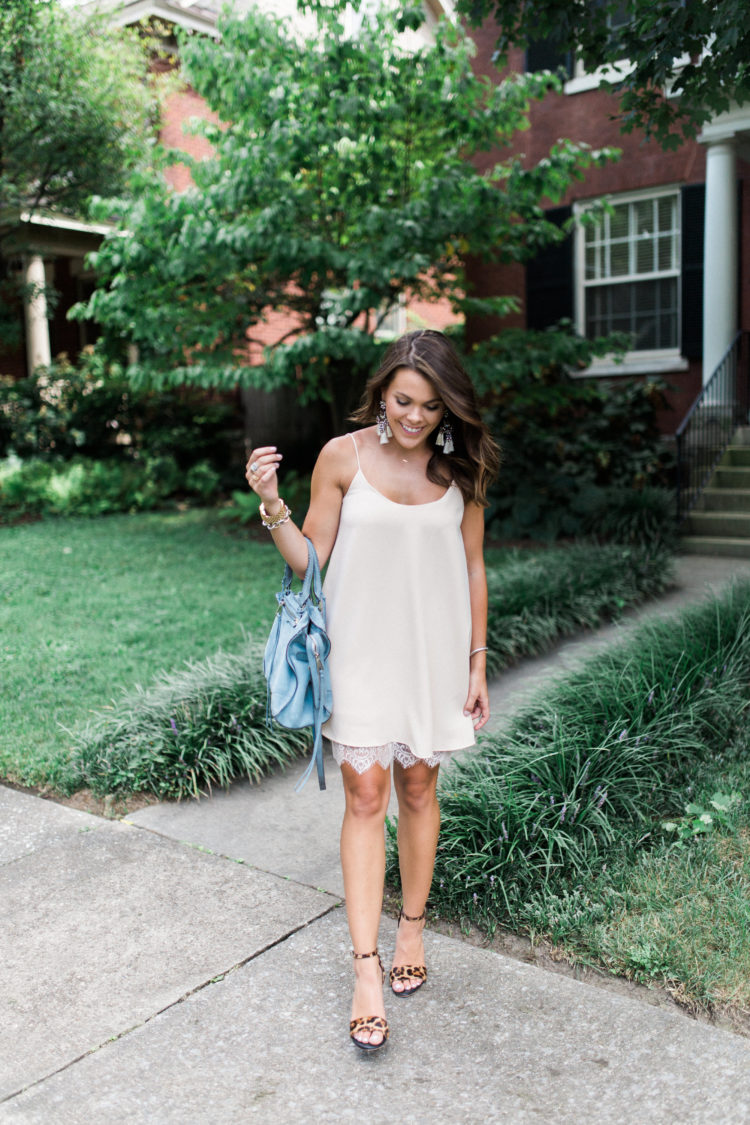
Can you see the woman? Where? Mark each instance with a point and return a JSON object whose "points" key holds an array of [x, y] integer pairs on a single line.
{"points": [[398, 509]]}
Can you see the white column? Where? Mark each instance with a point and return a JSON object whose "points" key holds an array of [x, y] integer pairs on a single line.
{"points": [[719, 255], [35, 305]]}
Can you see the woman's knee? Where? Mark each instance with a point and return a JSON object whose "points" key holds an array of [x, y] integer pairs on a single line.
{"points": [[416, 792], [367, 794]]}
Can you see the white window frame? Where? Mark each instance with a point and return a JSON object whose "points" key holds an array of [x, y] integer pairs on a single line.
{"points": [[582, 80], [642, 362]]}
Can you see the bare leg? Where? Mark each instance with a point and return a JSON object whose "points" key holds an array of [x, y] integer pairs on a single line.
{"points": [[418, 828], [363, 866]]}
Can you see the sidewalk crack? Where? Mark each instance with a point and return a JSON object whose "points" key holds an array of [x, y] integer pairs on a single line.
{"points": [[216, 979]]}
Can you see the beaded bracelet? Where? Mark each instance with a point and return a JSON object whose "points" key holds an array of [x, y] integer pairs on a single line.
{"points": [[272, 522]]}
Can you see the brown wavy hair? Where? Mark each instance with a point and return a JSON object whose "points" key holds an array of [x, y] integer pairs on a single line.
{"points": [[475, 461]]}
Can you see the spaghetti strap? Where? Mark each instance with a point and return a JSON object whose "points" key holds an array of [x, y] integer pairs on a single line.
{"points": [[356, 451]]}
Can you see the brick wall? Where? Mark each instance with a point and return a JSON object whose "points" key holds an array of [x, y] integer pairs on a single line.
{"points": [[589, 117]]}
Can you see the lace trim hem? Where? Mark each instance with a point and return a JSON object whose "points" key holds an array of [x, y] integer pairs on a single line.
{"points": [[362, 758]]}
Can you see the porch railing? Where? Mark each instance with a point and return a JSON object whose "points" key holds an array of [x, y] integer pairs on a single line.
{"points": [[708, 426]]}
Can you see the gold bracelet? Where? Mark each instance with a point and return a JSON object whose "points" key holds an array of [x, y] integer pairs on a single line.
{"points": [[272, 522]]}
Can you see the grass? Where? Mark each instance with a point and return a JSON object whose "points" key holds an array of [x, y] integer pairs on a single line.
{"points": [[684, 920], [557, 827], [91, 607], [191, 730], [537, 598]]}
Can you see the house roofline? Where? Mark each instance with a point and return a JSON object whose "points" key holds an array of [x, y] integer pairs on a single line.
{"points": [[123, 13], [63, 222], [50, 234]]}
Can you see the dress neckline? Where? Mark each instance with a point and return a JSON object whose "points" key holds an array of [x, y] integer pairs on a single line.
{"points": [[398, 503]]}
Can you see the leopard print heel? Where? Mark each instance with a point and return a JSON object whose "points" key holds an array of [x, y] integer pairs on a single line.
{"points": [[369, 1023], [408, 972]]}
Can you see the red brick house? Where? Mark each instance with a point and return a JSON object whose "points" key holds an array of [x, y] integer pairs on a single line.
{"points": [[669, 266]]}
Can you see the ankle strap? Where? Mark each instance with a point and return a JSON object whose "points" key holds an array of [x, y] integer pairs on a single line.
{"points": [[364, 956], [409, 918]]}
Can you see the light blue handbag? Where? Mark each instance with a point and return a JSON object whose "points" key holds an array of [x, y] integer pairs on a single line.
{"points": [[295, 661]]}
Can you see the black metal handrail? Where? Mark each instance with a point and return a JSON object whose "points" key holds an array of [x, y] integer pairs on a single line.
{"points": [[709, 424]]}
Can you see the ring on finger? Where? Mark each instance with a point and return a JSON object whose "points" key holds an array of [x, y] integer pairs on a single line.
{"points": [[254, 468]]}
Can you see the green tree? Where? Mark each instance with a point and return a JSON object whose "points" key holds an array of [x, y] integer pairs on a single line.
{"points": [[77, 111], [698, 49], [77, 114], [341, 183]]}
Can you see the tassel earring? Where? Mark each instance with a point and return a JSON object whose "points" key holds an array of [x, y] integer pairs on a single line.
{"points": [[445, 434], [384, 429]]}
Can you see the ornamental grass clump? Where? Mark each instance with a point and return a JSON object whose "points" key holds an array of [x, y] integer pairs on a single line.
{"points": [[192, 730], [536, 599], [594, 766]]}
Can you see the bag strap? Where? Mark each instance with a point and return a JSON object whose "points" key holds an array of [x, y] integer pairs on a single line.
{"points": [[311, 581], [316, 678], [312, 574]]}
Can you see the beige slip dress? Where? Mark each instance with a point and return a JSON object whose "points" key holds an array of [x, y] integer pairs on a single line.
{"points": [[399, 619]]}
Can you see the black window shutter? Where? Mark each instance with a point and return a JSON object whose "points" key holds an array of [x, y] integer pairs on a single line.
{"points": [[693, 208], [549, 278], [547, 54]]}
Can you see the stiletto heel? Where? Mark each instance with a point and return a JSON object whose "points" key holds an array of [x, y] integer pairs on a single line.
{"points": [[369, 1023], [408, 972]]}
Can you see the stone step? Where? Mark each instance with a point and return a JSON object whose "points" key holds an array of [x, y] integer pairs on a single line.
{"points": [[721, 499], [737, 456], [725, 477], [715, 545], [725, 525]]}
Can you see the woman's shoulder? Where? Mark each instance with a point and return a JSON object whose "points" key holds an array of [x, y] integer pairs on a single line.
{"points": [[338, 459], [342, 449]]}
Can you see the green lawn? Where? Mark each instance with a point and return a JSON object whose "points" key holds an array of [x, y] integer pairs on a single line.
{"points": [[91, 607]]}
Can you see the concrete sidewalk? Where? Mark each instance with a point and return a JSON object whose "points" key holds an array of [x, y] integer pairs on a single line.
{"points": [[191, 965]]}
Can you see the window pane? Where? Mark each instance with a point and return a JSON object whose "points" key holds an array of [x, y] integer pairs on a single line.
{"points": [[646, 309], [620, 299], [667, 213], [644, 297], [668, 331], [667, 259], [619, 259], [646, 335], [591, 262], [644, 216], [668, 295], [639, 237], [618, 223], [645, 256]]}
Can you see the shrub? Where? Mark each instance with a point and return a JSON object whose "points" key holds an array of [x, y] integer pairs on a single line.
{"points": [[534, 599], [84, 488], [593, 766], [191, 730], [563, 437], [629, 515], [89, 409], [205, 725], [202, 480]]}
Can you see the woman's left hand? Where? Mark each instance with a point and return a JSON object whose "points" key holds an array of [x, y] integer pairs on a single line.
{"points": [[477, 704]]}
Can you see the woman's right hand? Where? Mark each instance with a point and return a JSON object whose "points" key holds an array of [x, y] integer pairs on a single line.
{"points": [[261, 470]]}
